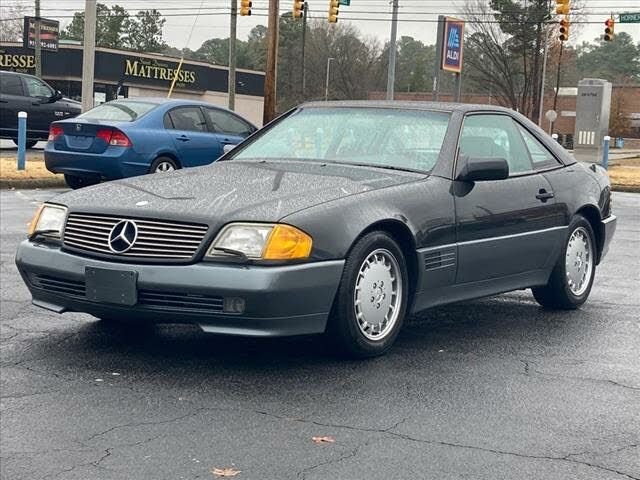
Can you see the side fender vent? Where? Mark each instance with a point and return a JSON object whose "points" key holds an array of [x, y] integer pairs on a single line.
{"points": [[440, 259]]}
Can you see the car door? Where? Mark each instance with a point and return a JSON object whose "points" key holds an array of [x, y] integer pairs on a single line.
{"points": [[229, 128], [41, 109], [12, 100], [505, 227], [190, 135]]}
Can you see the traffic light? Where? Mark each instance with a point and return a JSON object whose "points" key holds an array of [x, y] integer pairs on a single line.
{"points": [[608, 31], [245, 8], [334, 6], [563, 7], [564, 30], [298, 8]]}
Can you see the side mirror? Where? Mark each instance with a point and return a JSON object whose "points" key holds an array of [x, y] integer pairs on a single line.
{"points": [[478, 169], [55, 97]]}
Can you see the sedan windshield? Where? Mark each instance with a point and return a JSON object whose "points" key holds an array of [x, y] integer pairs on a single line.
{"points": [[119, 111], [384, 137]]}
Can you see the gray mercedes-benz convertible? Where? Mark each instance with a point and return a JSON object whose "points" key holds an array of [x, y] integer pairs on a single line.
{"points": [[338, 217]]}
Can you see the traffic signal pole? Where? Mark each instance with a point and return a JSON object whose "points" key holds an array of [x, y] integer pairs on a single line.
{"points": [[304, 37], [232, 54], [270, 78]]}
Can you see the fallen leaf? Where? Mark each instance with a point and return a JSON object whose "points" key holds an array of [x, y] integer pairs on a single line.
{"points": [[225, 472], [323, 439]]}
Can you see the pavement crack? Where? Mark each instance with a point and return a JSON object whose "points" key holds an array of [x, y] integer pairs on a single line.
{"points": [[140, 424]]}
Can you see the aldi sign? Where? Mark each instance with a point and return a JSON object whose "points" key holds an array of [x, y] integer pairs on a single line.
{"points": [[452, 45]]}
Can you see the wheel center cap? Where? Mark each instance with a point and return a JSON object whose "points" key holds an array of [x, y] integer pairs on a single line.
{"points": [[378, 294]]}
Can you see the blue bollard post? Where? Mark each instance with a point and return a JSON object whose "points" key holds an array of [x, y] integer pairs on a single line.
{"points": [[605, 152], [22, 139]]}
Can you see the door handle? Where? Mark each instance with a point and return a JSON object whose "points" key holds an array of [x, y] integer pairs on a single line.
{"points": [[183, 138], [543, 195], [36, 104], [4, 101]]}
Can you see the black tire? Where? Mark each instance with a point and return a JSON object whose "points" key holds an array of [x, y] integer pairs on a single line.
{"points": [[158, 162], [343, 328], [74, 182], [557, 293], [28, 143]]}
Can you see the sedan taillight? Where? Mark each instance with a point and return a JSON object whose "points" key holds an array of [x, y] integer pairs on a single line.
{"points": [[113, 137], [55, 131]]}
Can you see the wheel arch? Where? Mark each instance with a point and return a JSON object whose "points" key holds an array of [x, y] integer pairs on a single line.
{"points": [[168, 154], [593, 216], [405, 238]]}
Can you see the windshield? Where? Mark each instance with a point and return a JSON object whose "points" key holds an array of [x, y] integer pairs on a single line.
{"points": [[393, 138], [119, 111]]}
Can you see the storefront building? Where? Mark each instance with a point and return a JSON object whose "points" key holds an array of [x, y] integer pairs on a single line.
{"points": [[121, 74]]}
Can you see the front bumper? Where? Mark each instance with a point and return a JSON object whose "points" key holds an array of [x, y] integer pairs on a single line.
{"points": [[279, 300], [608, 228]]}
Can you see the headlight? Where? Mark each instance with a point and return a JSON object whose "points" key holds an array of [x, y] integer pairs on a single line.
{"points": [[48, 220], [261, 241]]}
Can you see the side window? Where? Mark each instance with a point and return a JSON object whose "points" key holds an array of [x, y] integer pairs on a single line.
{"points": [[224, 122], [167, 121], [494, 136], [11, 85], [187, 118], [37, 88], [539, 154]]}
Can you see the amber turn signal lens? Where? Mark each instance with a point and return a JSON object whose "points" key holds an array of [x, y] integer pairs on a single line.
{"points": [[287, 243], [34, 221]]}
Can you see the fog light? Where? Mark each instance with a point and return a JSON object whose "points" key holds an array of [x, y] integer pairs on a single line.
{"points": [[233, 305]]}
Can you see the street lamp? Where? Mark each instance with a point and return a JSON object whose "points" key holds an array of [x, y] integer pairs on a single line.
{"points": [[326, 83]]}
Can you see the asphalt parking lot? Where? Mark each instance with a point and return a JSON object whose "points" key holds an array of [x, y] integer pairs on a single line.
{"points": [[491, 389]]}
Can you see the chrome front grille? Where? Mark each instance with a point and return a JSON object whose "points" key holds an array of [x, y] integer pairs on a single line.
{"points": [[156, 239]]}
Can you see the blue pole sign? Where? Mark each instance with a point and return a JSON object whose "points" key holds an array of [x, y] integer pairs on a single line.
{"points": [[452, 45]]}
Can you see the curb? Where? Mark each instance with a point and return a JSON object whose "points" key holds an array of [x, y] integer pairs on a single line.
{"points": [[31, 183], [626, 188]]}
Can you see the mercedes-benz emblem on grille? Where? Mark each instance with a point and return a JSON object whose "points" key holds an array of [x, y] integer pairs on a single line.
{"points": [[122, 236], [78, 127]]}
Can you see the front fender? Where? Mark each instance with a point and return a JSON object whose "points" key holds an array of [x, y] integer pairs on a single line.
{"points": [[425, 207]]}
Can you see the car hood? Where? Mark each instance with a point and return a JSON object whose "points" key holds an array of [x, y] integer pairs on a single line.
{"points": [[233, 191]]}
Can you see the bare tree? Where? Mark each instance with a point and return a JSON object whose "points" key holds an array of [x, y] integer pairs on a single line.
{"points": [[505, 46], [11, 23]]}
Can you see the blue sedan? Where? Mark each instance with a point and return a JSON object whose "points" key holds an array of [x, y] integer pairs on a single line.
{"points": [[129, 137]]}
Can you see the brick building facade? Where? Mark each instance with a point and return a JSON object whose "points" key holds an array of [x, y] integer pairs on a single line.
{"points": [[627, 96]]}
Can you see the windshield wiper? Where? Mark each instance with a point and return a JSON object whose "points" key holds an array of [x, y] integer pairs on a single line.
{"points": [[373, 165]]}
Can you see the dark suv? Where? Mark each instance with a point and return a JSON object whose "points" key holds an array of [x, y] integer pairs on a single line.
{"points": [[43, 104]]}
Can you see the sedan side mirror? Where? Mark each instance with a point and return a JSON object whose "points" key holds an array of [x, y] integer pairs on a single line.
{"points": [[56, 96], [478, 169]]}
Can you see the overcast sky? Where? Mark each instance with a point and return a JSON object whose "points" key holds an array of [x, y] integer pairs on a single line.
{"points": [[214, 20]]}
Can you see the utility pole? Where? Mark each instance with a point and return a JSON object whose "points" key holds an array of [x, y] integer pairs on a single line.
{"points": [[326, 82], [232, 55], [391, 73], [437, 63], [270, 78], [304, 36], [38, 47], [88, 54]]}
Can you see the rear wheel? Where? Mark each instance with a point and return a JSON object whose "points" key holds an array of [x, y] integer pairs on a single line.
{"points": [[75, 182], [372, 297], [163, 165], [572, 277]]}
